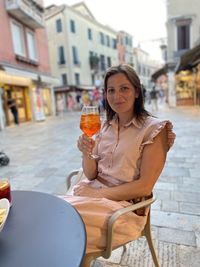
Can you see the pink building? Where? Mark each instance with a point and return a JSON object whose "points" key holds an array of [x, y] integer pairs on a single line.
{"points": [[124, 47], [24, 60]]}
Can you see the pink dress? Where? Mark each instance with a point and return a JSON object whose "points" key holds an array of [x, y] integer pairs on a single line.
{"points": [[117, 167]]}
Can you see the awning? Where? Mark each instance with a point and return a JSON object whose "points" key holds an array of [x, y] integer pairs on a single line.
{"points": [[85, 87], [34, 76], [14, 80], [61, 89], [73, 88], [189, 59]]}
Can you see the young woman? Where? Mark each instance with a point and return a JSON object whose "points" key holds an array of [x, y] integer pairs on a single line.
{"points": [[132, 147]]}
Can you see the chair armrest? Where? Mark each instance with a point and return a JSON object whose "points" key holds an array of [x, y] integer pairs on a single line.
{"points": [[69, 178], [116, 215]]}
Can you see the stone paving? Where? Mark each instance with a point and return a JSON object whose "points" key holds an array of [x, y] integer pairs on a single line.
{"points": [[42, 153]]}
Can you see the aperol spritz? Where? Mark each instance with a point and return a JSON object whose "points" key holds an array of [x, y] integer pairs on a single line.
{"points": [[90, 122]]}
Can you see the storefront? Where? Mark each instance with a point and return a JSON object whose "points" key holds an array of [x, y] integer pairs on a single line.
{"points": [[32, 94], [185, 88], [19, 88], [188, 78]]}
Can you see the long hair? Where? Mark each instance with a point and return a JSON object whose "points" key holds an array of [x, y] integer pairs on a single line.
{"points": [[138, 109]]}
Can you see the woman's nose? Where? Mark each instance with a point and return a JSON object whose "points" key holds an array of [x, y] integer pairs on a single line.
{"points": [[118, 94]]}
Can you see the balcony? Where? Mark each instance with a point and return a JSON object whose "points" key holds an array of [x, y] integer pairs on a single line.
{"points": [[28, 12]]}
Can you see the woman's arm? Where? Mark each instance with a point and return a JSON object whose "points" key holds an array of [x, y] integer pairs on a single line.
{"points": [[152, 163], [86, 145]]}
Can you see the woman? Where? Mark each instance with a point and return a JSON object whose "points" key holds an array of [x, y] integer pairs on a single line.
{"points": [[132, 147]]}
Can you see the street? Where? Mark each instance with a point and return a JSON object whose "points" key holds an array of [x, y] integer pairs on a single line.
{"points": [[42, 153]]}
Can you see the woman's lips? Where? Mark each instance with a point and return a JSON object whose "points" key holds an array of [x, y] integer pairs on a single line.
{"points": [[118, 103]]}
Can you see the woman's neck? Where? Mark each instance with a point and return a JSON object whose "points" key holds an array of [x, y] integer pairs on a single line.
{"points": [[123, 120]]}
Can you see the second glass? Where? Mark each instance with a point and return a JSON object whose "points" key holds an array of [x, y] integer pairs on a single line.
{"points": [[90, 123], [5, 191]]}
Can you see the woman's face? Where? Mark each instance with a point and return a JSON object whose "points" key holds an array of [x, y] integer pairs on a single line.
{"points": [[121, 94]]}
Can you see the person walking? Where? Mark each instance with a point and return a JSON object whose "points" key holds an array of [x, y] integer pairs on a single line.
{"points": [[154, 99], [60, 105], [13, 107]]}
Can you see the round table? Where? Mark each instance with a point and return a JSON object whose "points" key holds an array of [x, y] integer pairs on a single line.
{"points": [[42, 230]]}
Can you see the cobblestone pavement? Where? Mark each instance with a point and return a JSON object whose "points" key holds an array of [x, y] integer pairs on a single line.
{"points": [[42, 153]]}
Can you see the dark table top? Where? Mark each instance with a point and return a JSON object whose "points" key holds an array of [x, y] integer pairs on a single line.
{"points": [[42, 230]]}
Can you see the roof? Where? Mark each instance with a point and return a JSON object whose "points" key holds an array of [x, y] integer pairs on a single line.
{"points": [[189, 59], [84, 10]]}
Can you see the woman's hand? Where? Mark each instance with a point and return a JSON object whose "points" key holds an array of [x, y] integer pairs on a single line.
{"points": [[85, 190], [85, 144]]}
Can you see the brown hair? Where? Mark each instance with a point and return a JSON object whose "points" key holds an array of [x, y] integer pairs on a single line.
{"points": [[138, 110]]}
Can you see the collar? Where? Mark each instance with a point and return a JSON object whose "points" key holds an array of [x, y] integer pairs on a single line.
{"points": [[134, 121]]}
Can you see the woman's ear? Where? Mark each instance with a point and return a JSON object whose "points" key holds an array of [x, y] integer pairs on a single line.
{"points": [[136, 93]]}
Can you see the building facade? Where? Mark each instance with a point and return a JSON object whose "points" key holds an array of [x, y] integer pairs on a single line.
{"points": [[80, 48], [183, 30], [24, 61], [125, 47], [144, 66]]}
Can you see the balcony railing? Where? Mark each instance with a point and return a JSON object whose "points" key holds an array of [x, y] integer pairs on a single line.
{"points": [[26, 11]]}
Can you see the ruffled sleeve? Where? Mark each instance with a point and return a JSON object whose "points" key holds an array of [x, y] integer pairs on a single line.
{"points": [[155, 128]]}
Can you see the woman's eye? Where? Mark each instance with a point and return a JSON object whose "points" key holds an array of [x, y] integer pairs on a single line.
{"points": [[111, 91], [124, 88]]}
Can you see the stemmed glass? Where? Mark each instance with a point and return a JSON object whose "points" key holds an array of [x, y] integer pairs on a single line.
{"points": [[90, 123]]}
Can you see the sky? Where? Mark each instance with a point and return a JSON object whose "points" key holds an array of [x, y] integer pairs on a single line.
{"points": [[143, 19]]}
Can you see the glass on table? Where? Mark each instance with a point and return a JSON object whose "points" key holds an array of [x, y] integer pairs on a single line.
{"points": [[90, 123], [5, 191]]}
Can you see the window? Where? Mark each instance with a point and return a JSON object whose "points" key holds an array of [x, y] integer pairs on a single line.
{"points": [[64, 78], [58, 25], [75, 55], [89, 34], [107, 40], [102, 62], [72, 26], [77, 78], [114, 43], [61, 55], [93, 79], [31, 43], [183, 34], [130, 42], [102, 38], [183, 37], [18, 39], [108, 62]]}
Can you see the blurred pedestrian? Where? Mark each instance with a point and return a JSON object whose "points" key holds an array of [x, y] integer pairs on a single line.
{"points": [[13, 107], [154, 99], [96, 97], [78, 100], [144, 92], [70, 102], [85, 98], [60, 105]]}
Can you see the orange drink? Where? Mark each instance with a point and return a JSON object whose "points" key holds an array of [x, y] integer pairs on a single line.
{"points": [[5, 190], [90, 124]]}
